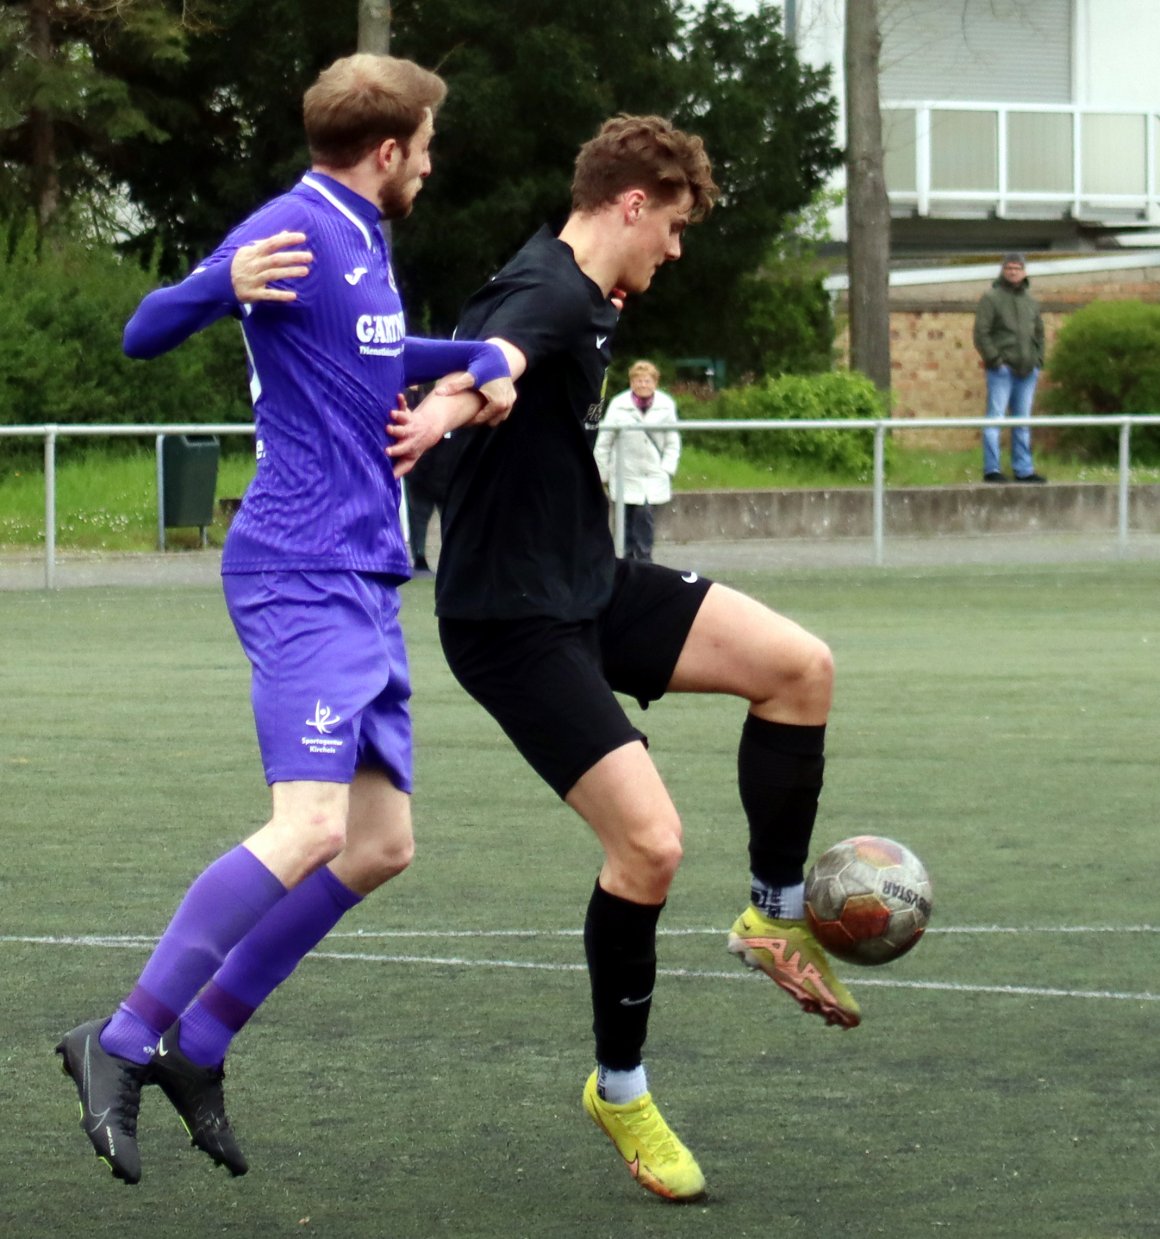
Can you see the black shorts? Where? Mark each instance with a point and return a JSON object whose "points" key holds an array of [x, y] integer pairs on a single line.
{"points": [[550, 683]]}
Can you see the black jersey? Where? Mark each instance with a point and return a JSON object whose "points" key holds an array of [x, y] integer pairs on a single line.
{"points": [[525, 524]]}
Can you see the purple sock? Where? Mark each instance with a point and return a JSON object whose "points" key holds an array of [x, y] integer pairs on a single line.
{"points": [[218, 910], [260, 962]]}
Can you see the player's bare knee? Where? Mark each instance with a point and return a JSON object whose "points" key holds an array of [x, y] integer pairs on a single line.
{"points": [[820, 671], [323, 836], [667, 859], [403, 854], [391, 858], [803, 684], [657, 854]]}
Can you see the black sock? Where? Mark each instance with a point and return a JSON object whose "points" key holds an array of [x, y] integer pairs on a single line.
{"points": [[620, 941], [779, 776]]}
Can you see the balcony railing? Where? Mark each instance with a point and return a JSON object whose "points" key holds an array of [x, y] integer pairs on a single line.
{"points": [[1029, 161]]}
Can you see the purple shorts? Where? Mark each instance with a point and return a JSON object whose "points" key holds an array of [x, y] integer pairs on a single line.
{"points": [[330, 685]]}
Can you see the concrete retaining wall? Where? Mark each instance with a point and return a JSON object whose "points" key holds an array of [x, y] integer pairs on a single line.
{"points": [[1067, 507]]}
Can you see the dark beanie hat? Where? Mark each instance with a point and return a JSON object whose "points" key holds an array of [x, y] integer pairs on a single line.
{"points": [[1014, 258]]}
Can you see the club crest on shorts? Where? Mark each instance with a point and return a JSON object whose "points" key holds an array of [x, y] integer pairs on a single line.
{"points": [[323, 722]]}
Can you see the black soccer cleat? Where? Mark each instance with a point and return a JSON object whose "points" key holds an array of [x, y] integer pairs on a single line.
{"points": [[110, 1096], [196, 1094]]}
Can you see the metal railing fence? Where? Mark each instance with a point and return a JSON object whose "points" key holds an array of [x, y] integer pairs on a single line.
{"points": [[879, 427], [51, 432]]}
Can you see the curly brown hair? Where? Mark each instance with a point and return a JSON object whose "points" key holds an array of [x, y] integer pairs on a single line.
{"points": [[642, 152]]}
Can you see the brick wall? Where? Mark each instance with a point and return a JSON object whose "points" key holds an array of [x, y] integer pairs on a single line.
{"points": [[935, 369]]}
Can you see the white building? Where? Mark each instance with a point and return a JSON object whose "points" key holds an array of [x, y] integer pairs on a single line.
{"points": [[1026, 124]]}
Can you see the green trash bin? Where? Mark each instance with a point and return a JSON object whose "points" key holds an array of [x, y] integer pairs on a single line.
{"points": [[707, 370], [189, 468]]}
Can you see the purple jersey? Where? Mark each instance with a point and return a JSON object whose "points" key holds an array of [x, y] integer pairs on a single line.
{"points": [[325, 372]]}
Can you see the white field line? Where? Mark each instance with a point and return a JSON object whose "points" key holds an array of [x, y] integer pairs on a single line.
{"points": [[139, 941], [442, 935]]}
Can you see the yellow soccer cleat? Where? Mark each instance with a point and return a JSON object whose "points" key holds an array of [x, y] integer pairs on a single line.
{"points": [[789, 954], [654, 1155]]}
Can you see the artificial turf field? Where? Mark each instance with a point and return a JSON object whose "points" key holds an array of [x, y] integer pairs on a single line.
{"points": [[421, 1074]]}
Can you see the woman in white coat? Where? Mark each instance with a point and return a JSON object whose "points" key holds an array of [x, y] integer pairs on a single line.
{"points": [[649, 459]]}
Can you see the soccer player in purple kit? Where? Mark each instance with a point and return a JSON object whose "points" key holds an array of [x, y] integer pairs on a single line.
{"points": [[543, 625], [310, 568]]}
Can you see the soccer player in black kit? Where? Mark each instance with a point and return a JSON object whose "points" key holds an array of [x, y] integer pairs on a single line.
{"points": [[541, 624]]}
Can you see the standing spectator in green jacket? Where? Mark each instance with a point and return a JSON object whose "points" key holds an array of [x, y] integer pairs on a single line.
{"points": [[1009, 337]]}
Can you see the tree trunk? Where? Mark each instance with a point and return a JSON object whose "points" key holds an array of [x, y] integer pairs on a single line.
{"points": [[867, 207], [374, 26], [43, 171]]}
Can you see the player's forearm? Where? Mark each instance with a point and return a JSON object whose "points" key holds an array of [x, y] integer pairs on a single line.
{"points": [[169, 316], [425, 360], [447, 413], [414, 431]]}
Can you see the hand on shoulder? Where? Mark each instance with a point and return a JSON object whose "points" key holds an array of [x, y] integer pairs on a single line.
{"points": [[261, 263]]}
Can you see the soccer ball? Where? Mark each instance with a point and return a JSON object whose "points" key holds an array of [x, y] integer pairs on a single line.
{"points": [[868, 899]]}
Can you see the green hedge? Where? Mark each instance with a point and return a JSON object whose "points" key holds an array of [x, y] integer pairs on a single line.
{"points": [[62, 311], [840, 395], [1106, 359], [784, 324]]}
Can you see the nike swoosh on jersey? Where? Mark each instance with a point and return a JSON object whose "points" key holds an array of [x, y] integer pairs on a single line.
{"points": [[600, 341]]}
